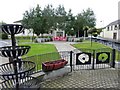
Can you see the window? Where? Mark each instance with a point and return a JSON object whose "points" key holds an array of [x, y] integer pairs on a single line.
{"points": [[108, 28], [114, 35], [115, 28]]}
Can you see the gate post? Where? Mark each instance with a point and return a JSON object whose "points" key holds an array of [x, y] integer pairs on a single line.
{"points": [[93, 59], [113, 58], [71, 60]]}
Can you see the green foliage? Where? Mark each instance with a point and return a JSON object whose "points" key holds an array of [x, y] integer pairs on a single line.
{"points": [[70, 24], [37, 49], [94, 31], [39, 59], [24, 37], [49, 19], [85, 18], [4, 36], [40, 53], [80, 40], [88, 17], [86, 45], [33, 19]]}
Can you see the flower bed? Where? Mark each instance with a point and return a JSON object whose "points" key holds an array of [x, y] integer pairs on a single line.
{"points": [[53, 65]]}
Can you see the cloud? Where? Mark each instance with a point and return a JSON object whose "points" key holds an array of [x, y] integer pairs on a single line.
{"points": [[105, 10]]}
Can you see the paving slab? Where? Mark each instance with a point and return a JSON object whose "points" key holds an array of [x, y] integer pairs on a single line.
{"points": [[86, 79], [63, 46], [4, 43]]}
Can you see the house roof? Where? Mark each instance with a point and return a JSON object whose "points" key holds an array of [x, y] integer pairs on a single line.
{"points": [[114, 23], [19, 21]]}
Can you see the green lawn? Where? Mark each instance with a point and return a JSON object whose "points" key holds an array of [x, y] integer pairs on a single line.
{"points": [[37, 49], [40, 53], [97, 47], [87, 45], [23, 41]]}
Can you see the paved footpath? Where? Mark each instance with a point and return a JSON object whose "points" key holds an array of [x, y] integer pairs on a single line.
{"points": [[62, 46], [99, 79], [2, 44]]}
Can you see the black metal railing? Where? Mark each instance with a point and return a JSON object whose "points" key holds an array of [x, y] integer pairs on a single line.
{"points": [[111, 43], [99, 58], [94, 58], [39, 59]]}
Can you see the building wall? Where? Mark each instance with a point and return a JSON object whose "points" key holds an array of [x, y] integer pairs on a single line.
{"points": [[119, 19], [110, 33], [26, 33], [119, 35]]}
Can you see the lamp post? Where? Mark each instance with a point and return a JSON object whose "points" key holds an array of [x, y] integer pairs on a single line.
{"points": [[102, 24]]}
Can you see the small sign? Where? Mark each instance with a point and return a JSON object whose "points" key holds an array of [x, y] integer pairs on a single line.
{"points": [[102, 57], [83, 58]]}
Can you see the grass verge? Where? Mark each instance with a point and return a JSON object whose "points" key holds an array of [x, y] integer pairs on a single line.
{"points": [[86, 46], [41, 53]]}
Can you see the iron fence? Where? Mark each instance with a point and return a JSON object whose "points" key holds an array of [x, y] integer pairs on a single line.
{"points": [[39, 59], [118, 55], [80, 58], [111, 43], [93, 58]]}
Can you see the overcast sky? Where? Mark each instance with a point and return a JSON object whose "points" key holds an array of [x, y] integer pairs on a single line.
{"points": [[106, 11]]}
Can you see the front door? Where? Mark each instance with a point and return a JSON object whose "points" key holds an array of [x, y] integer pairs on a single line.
{"points": [[114, 35]]}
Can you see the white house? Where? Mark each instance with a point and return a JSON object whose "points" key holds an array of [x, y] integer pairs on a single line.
{"points": [[112, 31]]}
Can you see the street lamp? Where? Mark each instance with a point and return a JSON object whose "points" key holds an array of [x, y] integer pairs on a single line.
{"points": [[102, 24]]}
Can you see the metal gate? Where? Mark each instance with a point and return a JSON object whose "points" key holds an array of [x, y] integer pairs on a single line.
{"points": [[92, 59]]}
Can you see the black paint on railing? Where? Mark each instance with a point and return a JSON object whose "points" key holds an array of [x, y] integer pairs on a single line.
{"points": [[70, 56]]}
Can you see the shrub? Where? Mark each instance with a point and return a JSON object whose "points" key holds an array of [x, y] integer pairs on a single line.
{"points": [[80, 40], [4, 36], [24, 37]]}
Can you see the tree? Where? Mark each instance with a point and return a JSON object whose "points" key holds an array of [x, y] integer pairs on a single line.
{"points": [[49, 14], [94, 31], [60, 18], [89, 18], [83, 19], [2, 34], [85, 28], [48, 19], [69, 26], [34, 19]]}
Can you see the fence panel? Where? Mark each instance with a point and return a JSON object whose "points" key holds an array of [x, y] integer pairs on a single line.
{"points": [[39, 59], [93, 59]]}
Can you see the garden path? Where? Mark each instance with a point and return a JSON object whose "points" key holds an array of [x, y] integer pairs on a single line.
{"points": [[63, 46], [2, 44]]}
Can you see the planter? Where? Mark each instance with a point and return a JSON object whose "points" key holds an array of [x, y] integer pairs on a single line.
{"points": [[53, 65]]}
